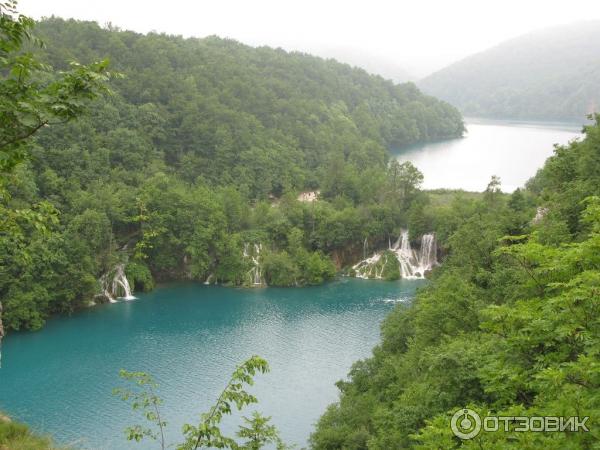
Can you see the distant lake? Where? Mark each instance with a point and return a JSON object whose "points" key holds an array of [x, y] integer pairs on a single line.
{"points": [[190, 337], [512, 150]]}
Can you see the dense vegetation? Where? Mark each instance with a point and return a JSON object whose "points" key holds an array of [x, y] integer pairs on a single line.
{"points": [[31, 97], [552, 74], [16, 436], [202, 148], [509, 326]]}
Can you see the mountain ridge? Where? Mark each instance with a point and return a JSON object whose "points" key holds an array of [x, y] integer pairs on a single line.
{"points": [[548, 74]]}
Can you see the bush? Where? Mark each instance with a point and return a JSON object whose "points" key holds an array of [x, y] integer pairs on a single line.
{"points": [[139, 277], [16, 436], [281, 270]]}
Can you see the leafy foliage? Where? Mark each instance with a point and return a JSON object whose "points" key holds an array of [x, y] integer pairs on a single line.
{"points": [[257, 430], [32, 96], [509, 326], [147, 402], [203, 147]]}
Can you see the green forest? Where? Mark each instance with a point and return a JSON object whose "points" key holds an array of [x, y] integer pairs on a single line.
{"points": [[200, 147], [175, 158], [510, 324]]}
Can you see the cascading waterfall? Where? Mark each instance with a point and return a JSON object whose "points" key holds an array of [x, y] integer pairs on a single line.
{"points": [[428, 255], [255, 273], [120, 284], [116, 285], [406, 256], [413, 264], [368, 268]]}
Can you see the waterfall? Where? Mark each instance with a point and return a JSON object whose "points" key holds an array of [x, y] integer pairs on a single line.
{"points": [[367, 268], [540, 213], [255, 273], [413, 264], [116, 285], [428, 255], [120, 284]]}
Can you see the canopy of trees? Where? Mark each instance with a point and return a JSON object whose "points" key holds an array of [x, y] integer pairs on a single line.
{"points": [[509, 326], [203, 147], [258, 118], [32, 96]]}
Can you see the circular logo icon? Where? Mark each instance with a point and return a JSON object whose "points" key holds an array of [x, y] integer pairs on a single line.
{"points": [[465, 424]]}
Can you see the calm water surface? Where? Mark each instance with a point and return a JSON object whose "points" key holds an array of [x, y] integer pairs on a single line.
{"points": [[190, 337], [512, 150]]}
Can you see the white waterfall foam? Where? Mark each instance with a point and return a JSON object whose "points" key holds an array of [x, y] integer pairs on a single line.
{"points": [[367, 268], [116, 285], [120, 284], [255, 273], [413, 264], [428, 254]]}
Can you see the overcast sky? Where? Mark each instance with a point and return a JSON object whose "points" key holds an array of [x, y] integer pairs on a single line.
{"points": [[419, 36]]}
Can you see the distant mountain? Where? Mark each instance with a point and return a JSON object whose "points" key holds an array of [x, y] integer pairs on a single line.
{"points": [[551, 74]]}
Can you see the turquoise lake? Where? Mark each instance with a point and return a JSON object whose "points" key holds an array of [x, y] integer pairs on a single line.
{"points": [[190, 337]]}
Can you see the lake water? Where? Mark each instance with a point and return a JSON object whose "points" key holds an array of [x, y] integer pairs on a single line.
{"points": [[191, 337], [512, 150]]}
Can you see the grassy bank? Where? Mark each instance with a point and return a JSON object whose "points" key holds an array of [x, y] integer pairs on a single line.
{"points": [[16, 436]]}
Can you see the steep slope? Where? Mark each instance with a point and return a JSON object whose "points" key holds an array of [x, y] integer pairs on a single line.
{"points": [[552, 74], [219, 103]]}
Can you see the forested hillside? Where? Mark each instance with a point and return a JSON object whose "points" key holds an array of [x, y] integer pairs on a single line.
{"points": [[552, 74], [509, 326], [196, 159], [260, 118]]}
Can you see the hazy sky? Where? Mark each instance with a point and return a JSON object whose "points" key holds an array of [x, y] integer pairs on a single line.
{"points": [[419, 36]]}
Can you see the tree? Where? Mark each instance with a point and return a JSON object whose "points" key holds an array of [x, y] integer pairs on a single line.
{"points": [[509, 325], [207, 434], [143, 398], [493, 189], [258, 433], [33, 96], [404, 178], [189, 161]]}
